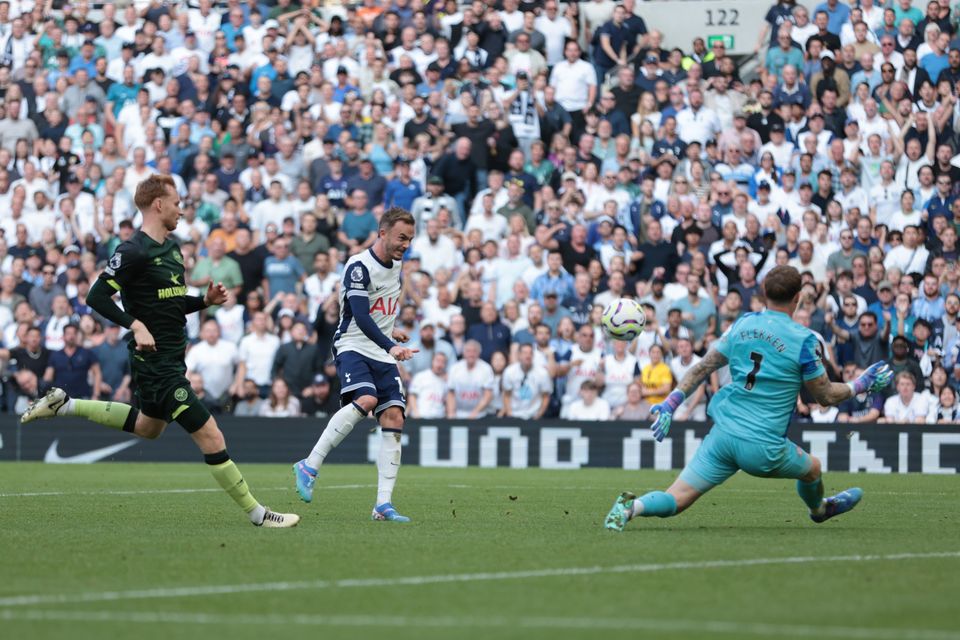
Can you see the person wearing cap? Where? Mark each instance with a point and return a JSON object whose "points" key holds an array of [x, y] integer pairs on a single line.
{"points": [[428, 206], [402, 191], [319, 399], [851, 194], [522, 111], [778, 146], [525, 56], [832, 77]]}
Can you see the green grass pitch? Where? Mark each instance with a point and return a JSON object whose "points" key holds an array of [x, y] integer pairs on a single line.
{"points": [[157, 551]]}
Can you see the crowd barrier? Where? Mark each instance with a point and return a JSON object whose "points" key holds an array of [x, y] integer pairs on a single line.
{"points": [[548, 444]]}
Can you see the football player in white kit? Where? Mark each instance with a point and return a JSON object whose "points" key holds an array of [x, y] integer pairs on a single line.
{"points": [[367, 359]]}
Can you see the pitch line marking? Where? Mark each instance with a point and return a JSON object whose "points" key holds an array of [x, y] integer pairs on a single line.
{"points": [[142, 492], [225, 589], [340, 487], [716, 627]]}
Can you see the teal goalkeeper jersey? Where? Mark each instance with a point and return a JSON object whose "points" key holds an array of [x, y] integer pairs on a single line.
{"points": [[770, 357]]}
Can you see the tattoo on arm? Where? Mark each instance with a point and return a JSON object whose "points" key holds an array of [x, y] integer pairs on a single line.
{"points": [[828, 393], [701, 371]]}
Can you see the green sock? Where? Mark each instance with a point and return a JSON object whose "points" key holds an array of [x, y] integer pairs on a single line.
{"points": [[811, 493], [115, 415], [228, 476]]}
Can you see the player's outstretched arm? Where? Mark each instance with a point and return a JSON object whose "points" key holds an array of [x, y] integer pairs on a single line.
{"points": [[876, 378], [701, 371]]}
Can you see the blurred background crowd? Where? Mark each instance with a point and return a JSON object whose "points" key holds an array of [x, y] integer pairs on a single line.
{"points": [[555, 156]]}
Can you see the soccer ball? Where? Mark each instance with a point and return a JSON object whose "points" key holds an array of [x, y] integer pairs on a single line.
{"points": [[623, 319]]}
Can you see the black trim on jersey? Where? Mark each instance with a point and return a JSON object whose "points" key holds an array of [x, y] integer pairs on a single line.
{"points": [[379, 261]]}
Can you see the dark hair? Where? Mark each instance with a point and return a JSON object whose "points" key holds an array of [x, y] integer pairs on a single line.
{"points": [[782, 284]]}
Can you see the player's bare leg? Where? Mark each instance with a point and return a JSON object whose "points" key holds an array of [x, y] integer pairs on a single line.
{"points": [[210, 440], [388, 464], [810, 488], [338, 427], [662, 504]]}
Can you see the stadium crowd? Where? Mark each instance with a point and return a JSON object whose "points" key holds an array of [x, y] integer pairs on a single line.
{"points": [[555, 156]]}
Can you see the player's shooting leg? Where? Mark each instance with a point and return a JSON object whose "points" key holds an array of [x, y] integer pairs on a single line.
{"points": [[339, 426], [810, 487], [115, 415], [210, 440], [388, 460], [663, 504]]}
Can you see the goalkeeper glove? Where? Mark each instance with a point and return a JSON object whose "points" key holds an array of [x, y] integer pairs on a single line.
{"points": [[664, 411], [875, 378]]}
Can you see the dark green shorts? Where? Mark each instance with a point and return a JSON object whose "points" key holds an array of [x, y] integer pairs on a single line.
{"points": [[163, 391]]}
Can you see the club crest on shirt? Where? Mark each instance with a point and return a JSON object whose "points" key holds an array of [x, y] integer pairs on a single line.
{"points": [[114, 261], [180, 394], [178, 257], [356, 274]]}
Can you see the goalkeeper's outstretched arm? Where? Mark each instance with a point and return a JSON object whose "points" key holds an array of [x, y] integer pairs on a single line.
{"points": [[828, 393], [701, 371]]}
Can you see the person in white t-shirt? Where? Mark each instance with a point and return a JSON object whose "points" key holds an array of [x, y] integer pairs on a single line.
{"points": [[320, 285], [575, 82], [230, 319], [588, 406], [620, 369], [906, 406], [470, 384], [584, 364], [214, 359], [257, 350], [526, 387], [695, 406], [427, 395]]}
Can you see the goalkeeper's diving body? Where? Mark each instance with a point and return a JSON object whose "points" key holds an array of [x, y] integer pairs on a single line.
{"points": [[770, 357], [148, 271]]}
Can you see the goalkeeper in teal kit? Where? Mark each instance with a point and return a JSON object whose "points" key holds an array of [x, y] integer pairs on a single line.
{"points": [[770, 357]]}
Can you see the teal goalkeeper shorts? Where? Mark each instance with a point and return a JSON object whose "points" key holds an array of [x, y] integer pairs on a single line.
{"points": [[720, 456]]}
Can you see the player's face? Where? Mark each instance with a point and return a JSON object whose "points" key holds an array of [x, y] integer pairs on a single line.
{"points": [[169, 209], [397, 239]]}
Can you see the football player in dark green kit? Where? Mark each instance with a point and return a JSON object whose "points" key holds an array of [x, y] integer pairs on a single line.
{"points": [[147, 270]]}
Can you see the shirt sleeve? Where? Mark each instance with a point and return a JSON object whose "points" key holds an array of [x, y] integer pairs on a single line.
{"points": [[124, 265], [811, 365], [356, 281]]}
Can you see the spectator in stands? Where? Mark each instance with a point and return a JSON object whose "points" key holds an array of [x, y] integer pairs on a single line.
{"points": [[248, 400], [256, 352], [588, 406], [905, 406], [470, 385], [490, 332], [280, 403], [114, 359], [526, 387], [74, 368], [296, 361], [215, 360], [427, 397]]}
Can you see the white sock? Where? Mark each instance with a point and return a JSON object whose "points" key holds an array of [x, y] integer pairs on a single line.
{"points": [[339, 426], [256, 516], [67, 409], [388, 465], [636, 508]]}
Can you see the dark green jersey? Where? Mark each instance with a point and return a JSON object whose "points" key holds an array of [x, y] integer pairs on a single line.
{"points": [[150, 279]]}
